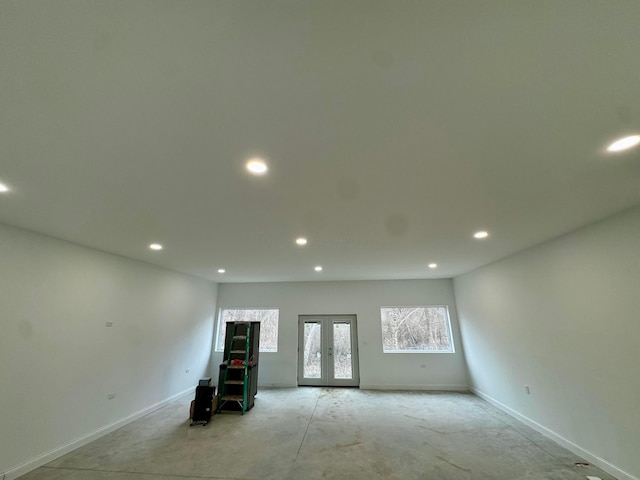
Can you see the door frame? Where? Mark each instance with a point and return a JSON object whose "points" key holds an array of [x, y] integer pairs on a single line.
{"points": [[327, 377]]}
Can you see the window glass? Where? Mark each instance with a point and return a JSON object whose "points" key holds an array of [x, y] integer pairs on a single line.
{"points": [[416, 329], [268, 318]]}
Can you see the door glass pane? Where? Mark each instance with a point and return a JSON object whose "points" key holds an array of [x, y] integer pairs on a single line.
{"points": [[312, 359], [342, 350]]}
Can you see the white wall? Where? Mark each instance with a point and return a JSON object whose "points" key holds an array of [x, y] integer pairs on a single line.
{"points": [[564, 318], [58, 361], [377, 370]]}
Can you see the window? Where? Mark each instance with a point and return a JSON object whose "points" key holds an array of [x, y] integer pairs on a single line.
{"points": [[416, 329], [268, 318]]}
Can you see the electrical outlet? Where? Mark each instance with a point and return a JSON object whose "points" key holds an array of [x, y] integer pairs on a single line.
{"points": [[186, 371], [527, 390], [111, 396], [108, 324]]}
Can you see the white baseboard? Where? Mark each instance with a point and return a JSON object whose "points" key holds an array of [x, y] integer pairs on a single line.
{"points": [[376, 386], [45, 458], [441, 388], [276, 385], [569, 445]]}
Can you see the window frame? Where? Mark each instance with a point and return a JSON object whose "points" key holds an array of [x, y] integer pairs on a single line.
{"points": [[449, 329], [219, 325]]}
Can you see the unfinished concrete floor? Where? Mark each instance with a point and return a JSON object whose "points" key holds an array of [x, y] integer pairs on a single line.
{"points": [[322, 433]]}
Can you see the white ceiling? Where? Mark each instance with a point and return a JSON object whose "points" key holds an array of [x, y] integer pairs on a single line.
{"points": [[393, 129]]}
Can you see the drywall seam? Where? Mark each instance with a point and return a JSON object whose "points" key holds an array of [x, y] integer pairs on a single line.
{"points": [[443, 387], [577, 449], [45, 458]]}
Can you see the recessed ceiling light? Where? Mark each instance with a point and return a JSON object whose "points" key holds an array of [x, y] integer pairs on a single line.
{"points": [[301, 241], [624, 143], [257, 166], [481, 234], [221, 270], [3, 188], [433, 265], [318, 268], [155, 246]]}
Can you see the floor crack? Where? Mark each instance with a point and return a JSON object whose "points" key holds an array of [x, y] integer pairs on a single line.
{"points": [[453, 464], [308, 425]]}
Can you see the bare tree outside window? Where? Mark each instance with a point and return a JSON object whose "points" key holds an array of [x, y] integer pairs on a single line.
{"points": [[416, 329], [268, 318], [312, 350]]}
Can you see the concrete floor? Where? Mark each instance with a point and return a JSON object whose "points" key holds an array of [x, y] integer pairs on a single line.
{"points": [[322, 433]]}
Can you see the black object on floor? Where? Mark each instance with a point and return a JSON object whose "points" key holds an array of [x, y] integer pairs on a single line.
{"points": [[203, 407], [204, 382]]}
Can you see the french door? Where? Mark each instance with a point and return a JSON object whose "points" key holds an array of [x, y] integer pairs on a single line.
{"points": [[328, 350]]}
